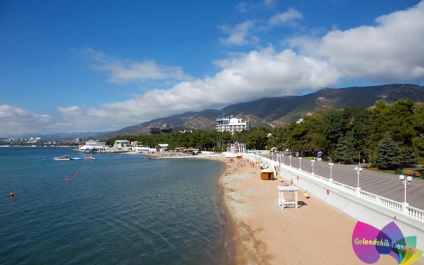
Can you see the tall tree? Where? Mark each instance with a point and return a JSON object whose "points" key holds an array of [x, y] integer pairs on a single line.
{"points": [[345, 150], [388, 153]]}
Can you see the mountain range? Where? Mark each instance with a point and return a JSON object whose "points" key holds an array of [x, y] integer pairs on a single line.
{"points": [[280, 111]]}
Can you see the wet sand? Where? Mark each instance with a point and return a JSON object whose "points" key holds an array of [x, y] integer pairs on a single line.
{"points": [[315, 233]]}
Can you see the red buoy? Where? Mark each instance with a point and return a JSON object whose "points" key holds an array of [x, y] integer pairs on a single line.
{"points": [[67, 179], [110, 168], [12, 194], [76, 173]]}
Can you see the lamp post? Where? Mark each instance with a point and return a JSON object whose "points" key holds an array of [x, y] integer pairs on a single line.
{"points": [[300, 163], [331, 171], [313, 163], [406, 181], [358, 171], [290, 160]]}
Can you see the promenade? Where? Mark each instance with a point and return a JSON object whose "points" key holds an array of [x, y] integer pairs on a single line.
{"points": [[383, 184]]}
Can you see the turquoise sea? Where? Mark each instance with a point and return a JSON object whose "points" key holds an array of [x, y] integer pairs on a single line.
{"points": [[117, 209]]}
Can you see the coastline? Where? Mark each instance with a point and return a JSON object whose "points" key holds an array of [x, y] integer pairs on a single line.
{"points": [[264, 233], [231, 244], [258, 231]]}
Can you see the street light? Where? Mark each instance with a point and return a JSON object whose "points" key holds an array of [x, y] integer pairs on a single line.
{"points": [[290, 160], [405, 182], [313, 162], [300, 163], [358, 171], [331, 170]]}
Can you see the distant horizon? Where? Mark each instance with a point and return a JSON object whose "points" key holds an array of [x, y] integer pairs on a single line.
{"points": [[99, 133], [96, 66]]}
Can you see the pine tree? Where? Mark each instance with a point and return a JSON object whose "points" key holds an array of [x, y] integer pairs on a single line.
{"points": [[345, 149], [389, 154]]}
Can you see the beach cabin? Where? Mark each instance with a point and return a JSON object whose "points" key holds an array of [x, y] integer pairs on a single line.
{"points": [[122, 144], [162, 147]]}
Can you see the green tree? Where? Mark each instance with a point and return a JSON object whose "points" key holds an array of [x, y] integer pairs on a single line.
{"points": [[345, 149], [258, 138], [296, 136], [418, 140], [332, 130], [388, 153]]}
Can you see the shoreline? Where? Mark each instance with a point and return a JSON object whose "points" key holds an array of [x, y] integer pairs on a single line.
{"points": [[231, 245], [264, 233], [258, 231], [230, 230]]}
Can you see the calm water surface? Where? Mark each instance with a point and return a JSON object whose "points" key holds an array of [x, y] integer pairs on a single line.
{"points": [[117, 209]]}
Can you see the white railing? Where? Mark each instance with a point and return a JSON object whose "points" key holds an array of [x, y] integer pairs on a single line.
{"points": [[382, 201], [415, 212], [394, 205], [368, 196]]}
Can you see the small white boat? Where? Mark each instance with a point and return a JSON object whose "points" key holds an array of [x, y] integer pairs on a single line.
{"points": [[89, 158], [62, 158]]}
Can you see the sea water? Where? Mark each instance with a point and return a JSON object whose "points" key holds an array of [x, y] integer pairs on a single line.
{"points": [[117, 209]]}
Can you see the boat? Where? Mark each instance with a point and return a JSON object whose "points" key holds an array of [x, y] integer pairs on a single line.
{"points": [[89, 158], [62, 158]]}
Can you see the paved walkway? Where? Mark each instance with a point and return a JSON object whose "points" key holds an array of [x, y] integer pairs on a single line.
{"points": [[383, 184]]}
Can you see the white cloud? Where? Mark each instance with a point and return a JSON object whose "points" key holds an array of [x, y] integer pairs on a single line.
{"points": [[242, 77], [124, 70], [237, 35], [285, 18], [245, 76], [17, 121], [391, 51]]}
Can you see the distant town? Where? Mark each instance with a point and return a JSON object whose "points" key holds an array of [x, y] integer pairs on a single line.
{"points": [[38, 141], [223, 124]]}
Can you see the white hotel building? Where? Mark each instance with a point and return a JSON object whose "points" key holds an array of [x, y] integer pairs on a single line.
{"points": [[232, 125]]}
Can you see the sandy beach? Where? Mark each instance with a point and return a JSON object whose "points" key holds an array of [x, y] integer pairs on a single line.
{"points": [[259, 231], [315, 233]]}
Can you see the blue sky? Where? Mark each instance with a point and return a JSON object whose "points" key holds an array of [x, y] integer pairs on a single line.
{"points": [[69, 66]]}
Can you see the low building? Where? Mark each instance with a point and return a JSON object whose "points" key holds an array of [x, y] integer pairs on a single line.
{"points": [[232, 125], [144, 149], [92, 145], [122, 144], [162, 147], [136, 143], [166, 130], [159, 130], [95, 144], [154, 130]]}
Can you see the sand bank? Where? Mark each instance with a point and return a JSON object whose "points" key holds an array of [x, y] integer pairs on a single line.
{"points": [[315, 233]]}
